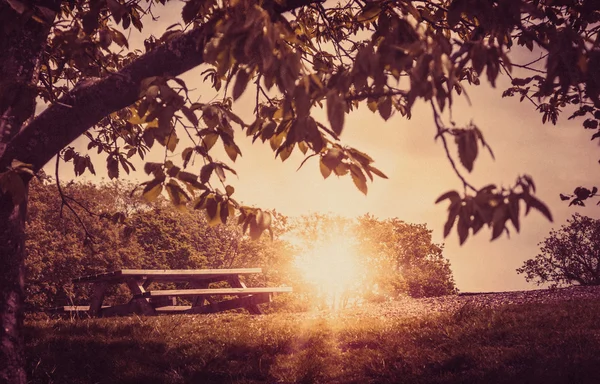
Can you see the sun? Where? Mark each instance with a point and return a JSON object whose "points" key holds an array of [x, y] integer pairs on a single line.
{"points": [[333, 267]]}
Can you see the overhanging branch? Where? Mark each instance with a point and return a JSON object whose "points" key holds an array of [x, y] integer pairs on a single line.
{"points": [[85, 106]]}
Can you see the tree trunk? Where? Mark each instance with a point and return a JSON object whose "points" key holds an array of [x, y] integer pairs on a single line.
{"points": [[22, 40], [12, 253]]}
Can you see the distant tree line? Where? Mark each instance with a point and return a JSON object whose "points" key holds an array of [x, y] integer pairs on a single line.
{"points": [[96, 228]]}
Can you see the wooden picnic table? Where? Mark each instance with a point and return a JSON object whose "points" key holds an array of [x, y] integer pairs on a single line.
{"points": [[153, 302]]}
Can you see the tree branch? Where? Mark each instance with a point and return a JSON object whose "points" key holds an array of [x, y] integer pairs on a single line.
{"points": [[87, 104]]}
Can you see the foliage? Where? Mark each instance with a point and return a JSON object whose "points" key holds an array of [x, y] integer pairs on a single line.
{"points": [[299, 56], [401, 258], [154, 235], [568, 255], [394, 257], [533, 343]]}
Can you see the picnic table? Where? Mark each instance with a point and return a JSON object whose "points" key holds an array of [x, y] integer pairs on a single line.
{"points": [[154, 302]]}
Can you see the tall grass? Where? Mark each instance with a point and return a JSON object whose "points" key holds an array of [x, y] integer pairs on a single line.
{"points": [[535, 343]]}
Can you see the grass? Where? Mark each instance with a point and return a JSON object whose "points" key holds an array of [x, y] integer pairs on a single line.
{"points": [[534, 343]]}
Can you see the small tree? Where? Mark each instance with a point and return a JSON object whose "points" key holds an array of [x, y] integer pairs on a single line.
{"points": [[569, 255]]}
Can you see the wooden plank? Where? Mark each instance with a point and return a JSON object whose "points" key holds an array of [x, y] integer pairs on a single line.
{"points": [[166, 274], [72, 308], [200, 299], [240, 302], [139, 304], [215, 291], [173, 309], [235, 282]]}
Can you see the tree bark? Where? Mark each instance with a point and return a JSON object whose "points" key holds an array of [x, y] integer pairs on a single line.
{"points": [[22, 40], [12, 253]]}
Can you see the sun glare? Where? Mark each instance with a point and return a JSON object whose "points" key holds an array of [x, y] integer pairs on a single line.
{"points": [[333, 266]]}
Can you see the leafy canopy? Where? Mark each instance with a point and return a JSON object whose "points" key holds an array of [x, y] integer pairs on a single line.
{"points": [[570, 255], [297, 56]]}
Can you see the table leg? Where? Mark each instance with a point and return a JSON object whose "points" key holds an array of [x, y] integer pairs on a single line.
{"points": [[137, 288], [235, 282], [198, 301], [97, 299]]}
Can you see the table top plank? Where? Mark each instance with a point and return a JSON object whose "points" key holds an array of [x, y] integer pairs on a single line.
{"points": [[216, 291], [166, 274]]}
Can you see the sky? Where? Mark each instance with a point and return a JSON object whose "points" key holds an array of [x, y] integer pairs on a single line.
{"points": [[559, 158]]}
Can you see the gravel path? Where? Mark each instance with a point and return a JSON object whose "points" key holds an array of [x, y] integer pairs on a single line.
{"points": [[418, 307]]}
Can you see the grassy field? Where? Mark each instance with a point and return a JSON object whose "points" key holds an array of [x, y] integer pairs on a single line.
{"points": [[530, 343]]}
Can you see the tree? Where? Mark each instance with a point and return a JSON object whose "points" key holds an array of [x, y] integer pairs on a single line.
{"points": [[568, 256], [402, 258], [63, 244], [297, 55]]}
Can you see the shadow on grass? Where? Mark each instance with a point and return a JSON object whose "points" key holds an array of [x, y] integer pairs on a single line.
{"points": [[515, 344]]}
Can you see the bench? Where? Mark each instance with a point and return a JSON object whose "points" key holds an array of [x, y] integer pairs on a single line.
{"points": [[156, 302]]}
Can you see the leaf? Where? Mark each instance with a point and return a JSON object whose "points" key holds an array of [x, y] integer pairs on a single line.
{"points": [[452, 195], [212, 210], [241, 81], [467, 148], [336, 112], [376, 171], [112, 165], [325, 170], [453, 211], [152, 190], [223, 212], [513, 211], [229, 190], [209, 140], [205, 172], [541, 207], [462, 228], [190, 115], [220, 172], [358, 178], [186, 155], [171, 142], [385, 108], [232, 150], [590, 124], [369, 13]]}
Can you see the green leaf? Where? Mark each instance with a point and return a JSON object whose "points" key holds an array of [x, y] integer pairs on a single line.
{"points": [[385, 108], [229, 190], [336, 112]]}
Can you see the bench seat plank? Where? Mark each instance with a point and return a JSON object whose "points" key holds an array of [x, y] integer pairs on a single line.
{"points": [[216, 291]]}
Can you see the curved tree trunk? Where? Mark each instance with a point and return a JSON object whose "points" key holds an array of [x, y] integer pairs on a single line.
{"points": [[22, 40]]}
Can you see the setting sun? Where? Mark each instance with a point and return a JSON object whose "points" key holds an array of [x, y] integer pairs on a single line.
{"points": [[333, 266]]}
